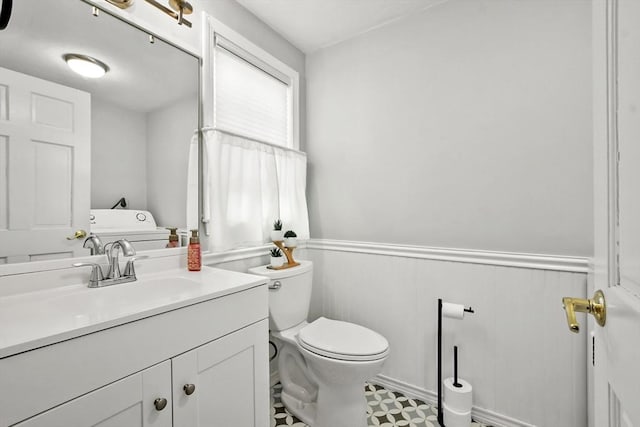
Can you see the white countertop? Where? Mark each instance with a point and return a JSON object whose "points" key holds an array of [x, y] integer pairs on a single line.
{"points": [[35, 319]]}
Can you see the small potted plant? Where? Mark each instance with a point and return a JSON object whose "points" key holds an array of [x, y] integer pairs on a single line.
{"points": [[277, 260], [277, 234], [290, 240]]}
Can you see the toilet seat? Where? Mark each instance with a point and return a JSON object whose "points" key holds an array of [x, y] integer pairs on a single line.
{"points": [[342, 340]]}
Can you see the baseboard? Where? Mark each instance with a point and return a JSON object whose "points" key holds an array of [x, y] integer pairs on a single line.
{"points": [[482, 415]]}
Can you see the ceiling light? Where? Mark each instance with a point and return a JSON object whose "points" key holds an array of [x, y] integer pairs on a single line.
{"points": [[85, 65]]}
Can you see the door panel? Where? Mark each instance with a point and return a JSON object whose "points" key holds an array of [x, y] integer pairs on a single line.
{"points": [[616, 41], [628, 131], [617, 351], [45, 137]]}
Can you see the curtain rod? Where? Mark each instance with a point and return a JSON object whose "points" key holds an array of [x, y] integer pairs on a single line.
{"points": [[271, 144]]}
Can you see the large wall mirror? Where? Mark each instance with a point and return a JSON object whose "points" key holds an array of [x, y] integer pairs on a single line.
{"points": [[71, 146]]}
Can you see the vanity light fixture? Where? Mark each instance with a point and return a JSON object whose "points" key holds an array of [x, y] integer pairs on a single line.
{"points": [[85, 65], [122, 4], [5, 13], [180, 8]]}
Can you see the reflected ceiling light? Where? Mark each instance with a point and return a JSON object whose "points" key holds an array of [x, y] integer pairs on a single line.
{"points": [[85, 65]]}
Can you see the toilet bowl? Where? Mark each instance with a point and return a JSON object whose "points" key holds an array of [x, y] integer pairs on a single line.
{"points": [[323, 365]]}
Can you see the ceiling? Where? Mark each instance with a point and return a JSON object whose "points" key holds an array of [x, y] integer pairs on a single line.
{"points": [[313, 24], [143, 76]]}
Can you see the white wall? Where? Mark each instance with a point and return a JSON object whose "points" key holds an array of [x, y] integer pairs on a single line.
{"points": [[143, 157], [169, 132], [466, 126], [516, 350], [118, 156], [525, 367]]}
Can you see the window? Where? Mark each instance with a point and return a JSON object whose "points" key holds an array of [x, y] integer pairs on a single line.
{"points": [[251, 98], [252, 93], [252, 171]]}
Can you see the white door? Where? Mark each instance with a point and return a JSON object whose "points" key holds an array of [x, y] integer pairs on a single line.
{"points": [[45, 137], [616, 356], [142, 399], [224, 382]]}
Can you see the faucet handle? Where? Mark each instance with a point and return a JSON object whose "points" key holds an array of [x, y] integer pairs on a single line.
{"points": [[129, 269], [96, 273]]}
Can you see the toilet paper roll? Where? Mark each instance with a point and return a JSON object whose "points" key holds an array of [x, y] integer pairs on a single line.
{"points": [[454, 311], [458, 398], [454, 418]]}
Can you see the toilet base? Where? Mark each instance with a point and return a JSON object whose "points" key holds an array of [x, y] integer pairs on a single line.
{"points": [[348, 408], [305, 412], [345, 407]]}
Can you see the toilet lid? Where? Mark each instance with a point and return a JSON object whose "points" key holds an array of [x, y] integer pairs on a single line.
{"points": [[342, 340]]}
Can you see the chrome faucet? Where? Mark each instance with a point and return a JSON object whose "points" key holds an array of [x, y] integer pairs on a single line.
{"points": [[112, 256], [113, 277], [94, 244]]}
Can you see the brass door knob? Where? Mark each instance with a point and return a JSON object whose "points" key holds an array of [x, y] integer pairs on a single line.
{"points": [[596, 306], [80, 234], [160, 403], [189, 389]]}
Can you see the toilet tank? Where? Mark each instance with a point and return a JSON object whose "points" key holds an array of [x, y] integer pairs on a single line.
{"points": [[289, 304]]}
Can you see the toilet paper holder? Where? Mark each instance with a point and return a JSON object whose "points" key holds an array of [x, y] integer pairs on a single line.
{"points": [[440, 409]]}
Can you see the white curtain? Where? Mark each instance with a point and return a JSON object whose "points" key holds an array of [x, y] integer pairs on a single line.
{"points": [[247, 186], [193, 219]]}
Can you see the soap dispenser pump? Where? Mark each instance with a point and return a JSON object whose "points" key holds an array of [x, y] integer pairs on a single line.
{"points": [[174, 242], [194, 260]]}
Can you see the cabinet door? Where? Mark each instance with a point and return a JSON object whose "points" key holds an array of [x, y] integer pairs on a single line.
{"points": [[128, 402], [230, 379]]}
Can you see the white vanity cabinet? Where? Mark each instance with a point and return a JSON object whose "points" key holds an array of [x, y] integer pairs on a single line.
{"points": [[129, 402], [214, 385], [208, 359]]}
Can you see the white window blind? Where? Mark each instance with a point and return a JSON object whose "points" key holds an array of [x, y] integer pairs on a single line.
{"points": [[250, 101]]}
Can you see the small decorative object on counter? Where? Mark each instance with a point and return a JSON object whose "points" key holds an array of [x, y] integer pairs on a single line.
{"points": [[194, 260], [277, 234], [290, 240], [174, 242], [277, 260]]}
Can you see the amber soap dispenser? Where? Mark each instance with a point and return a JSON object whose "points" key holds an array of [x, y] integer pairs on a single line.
{"points": [[173, 238], [194, 259]]}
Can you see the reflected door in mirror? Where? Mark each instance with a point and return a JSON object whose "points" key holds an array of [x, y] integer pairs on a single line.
{"points": [[45, 136]]}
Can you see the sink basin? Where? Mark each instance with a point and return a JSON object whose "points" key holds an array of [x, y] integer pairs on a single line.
{"points": [[34, 319]]}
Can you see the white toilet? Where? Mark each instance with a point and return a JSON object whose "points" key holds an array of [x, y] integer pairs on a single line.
{"points": [[323, 365]]}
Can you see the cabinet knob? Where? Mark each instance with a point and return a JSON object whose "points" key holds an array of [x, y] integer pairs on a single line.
{"points": [[189, 389], [160, 403]]}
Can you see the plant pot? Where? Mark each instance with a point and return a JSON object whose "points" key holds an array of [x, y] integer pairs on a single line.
{"points": [[277, 261], [291, 242], [277, 235]]}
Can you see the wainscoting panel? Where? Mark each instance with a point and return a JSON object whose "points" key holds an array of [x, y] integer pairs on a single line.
{"points": [[516, 350]]}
